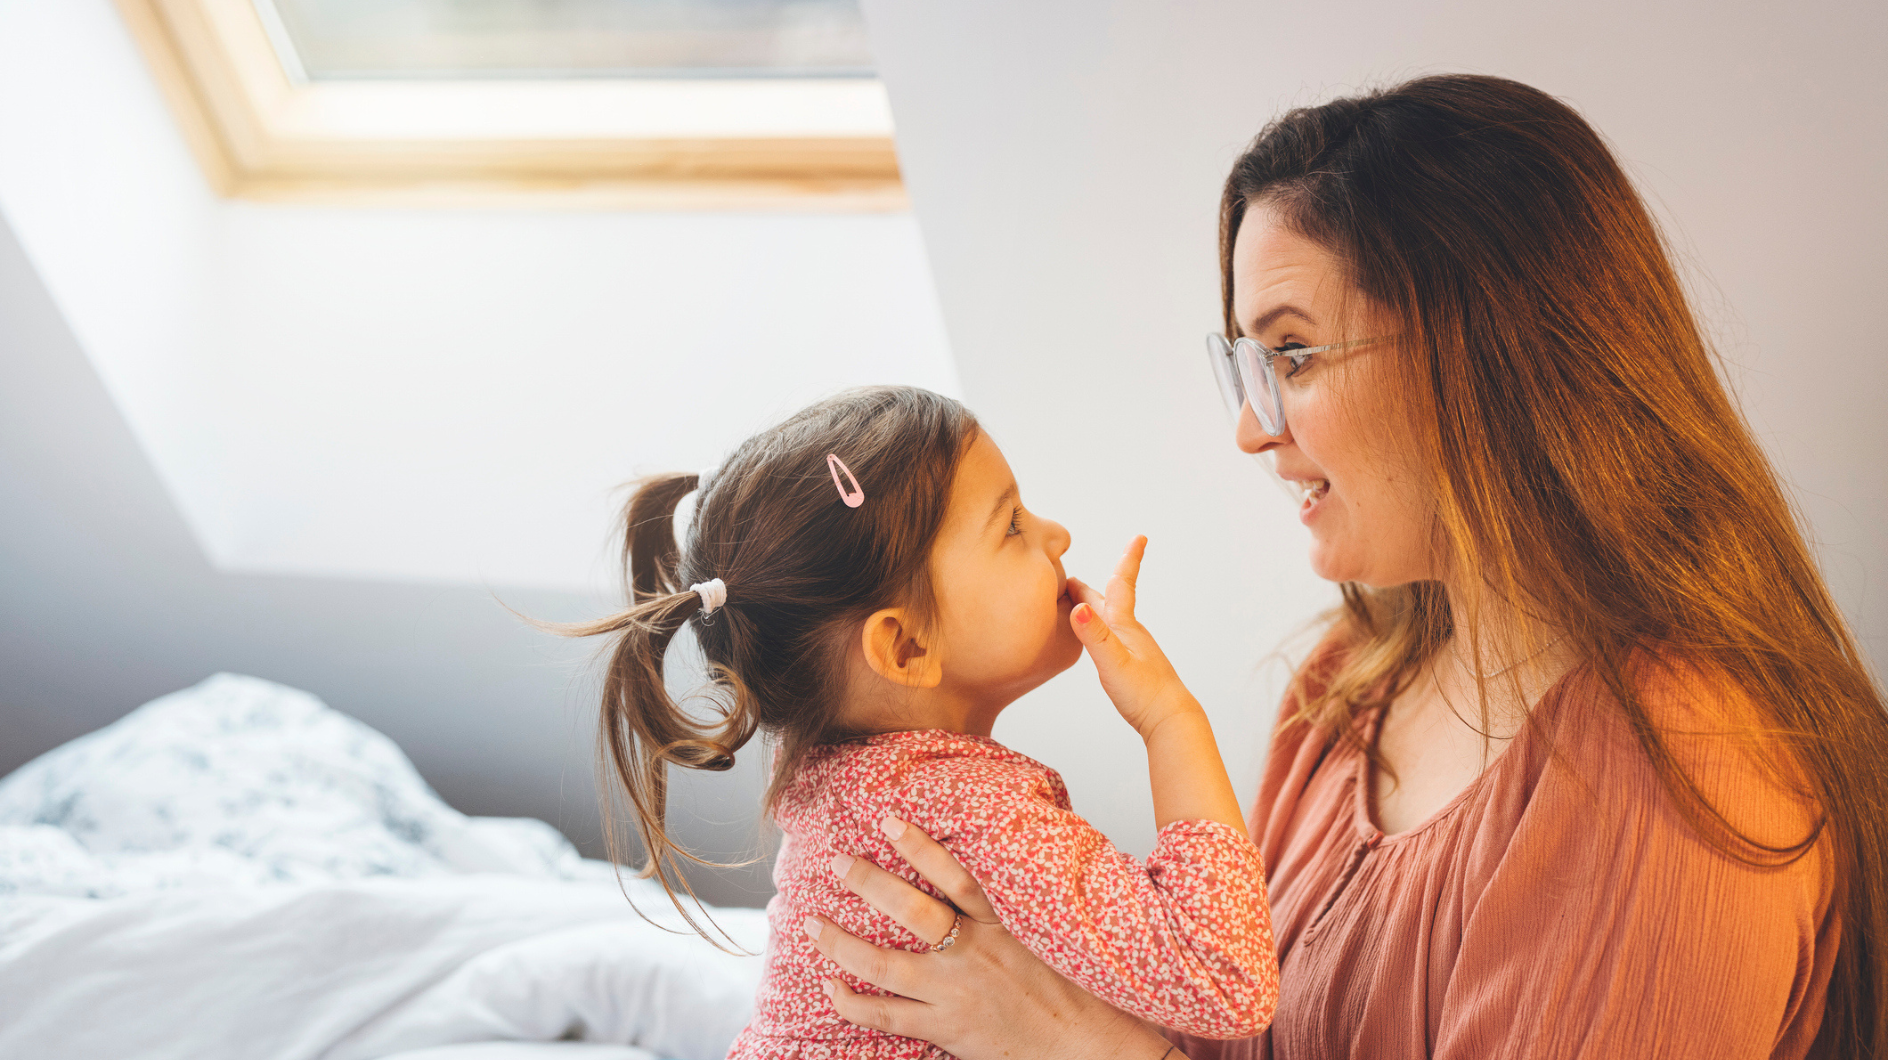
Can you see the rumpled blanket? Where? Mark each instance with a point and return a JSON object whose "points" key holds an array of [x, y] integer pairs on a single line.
{"points": [[237, 870]]}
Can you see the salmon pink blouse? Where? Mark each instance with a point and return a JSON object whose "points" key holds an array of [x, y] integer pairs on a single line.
{"points": [[1561, 906]]}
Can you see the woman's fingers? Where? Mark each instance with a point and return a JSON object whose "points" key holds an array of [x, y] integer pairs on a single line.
{"points": [[888, 969], [893, 1015], [935, 864], [919, 913]]}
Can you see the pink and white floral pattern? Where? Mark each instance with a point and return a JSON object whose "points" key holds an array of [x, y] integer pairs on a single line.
{"points": [[1184, 940]]}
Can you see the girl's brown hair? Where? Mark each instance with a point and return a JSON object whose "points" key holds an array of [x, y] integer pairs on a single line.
{"points": [[1588, 464], [802, 570]]}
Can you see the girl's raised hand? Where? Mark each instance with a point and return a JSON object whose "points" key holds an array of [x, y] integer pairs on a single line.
{"points": [[1134, 671]]}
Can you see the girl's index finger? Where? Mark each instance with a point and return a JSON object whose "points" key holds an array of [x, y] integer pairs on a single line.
{"points": [[1126, 573]]}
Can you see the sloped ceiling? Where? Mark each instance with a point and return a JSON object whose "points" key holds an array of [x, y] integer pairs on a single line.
{"points": [[436, 395]]}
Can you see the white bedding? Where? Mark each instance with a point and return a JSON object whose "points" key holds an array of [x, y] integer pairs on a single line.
{"points": [[235, 870]]}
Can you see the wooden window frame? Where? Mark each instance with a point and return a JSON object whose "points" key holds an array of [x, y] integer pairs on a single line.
{"points": [[789, 143]]}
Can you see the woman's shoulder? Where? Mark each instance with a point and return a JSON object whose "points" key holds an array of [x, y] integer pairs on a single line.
{"points": [[1672, 743]]}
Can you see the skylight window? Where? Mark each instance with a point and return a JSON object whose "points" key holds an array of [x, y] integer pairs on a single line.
{"points": [[660, 104], [481, 39]]}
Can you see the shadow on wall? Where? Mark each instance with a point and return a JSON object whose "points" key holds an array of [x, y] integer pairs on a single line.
{"points": [[106, 602]]}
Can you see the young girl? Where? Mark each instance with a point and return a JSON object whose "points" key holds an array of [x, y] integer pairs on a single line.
{"points": [[870, 592]]}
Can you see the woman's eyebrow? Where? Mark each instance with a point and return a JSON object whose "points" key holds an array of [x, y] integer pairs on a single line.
{"points": [[1272, 317], [1002, 501]]}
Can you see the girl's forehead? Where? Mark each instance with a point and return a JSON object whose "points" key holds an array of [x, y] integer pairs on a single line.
{"points": [[982, 470], [983, 476]]}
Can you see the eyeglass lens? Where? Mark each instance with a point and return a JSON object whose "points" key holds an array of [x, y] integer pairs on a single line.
{"points": [[1243, 371]]}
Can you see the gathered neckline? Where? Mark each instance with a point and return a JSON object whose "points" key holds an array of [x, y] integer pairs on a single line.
{"points": [[1363, 772]]}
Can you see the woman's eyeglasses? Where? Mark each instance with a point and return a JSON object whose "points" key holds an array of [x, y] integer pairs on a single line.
{"points": [[1244, 370]]}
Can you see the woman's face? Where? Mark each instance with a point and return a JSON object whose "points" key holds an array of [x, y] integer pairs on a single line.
{"points": [[1365, 495]]}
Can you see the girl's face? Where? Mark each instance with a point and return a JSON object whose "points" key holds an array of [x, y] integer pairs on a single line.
{"points": [[1003, 604], [1364, 493]]}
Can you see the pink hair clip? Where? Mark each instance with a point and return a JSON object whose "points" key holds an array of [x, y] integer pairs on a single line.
{"points": [[836, 465]]}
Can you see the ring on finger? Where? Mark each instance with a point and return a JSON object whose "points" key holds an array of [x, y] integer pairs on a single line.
{"points": [[949, 940]]}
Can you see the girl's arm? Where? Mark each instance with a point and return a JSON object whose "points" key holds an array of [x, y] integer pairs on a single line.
{"points": [[986, 997], [1184, 939], [1188, 777]]}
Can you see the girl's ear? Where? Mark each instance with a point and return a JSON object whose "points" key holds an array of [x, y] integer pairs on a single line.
{"points": [[895, 653]]}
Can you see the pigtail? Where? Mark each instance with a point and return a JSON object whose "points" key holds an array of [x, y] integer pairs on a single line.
{"points": [[801, 559], [650, 550], [642, 729]]}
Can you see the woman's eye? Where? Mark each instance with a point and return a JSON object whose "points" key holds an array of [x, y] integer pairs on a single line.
{"points": [[1016, 522], [1296, 362]]}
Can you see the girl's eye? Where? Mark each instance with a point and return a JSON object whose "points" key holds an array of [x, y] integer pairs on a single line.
{"points": [[1016, 522]]}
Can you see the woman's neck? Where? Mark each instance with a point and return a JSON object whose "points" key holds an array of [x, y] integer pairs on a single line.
{"points": [[1496, 648]]}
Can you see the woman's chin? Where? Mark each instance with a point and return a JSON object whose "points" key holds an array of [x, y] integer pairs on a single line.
{"points": [[1326, 563]]}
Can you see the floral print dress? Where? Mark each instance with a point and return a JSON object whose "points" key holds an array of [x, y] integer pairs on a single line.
{"points": [[1183, 940]]}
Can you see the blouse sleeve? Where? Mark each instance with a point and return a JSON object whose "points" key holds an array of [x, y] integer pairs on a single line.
{"points": [[1611, 927], [1184, 941]]}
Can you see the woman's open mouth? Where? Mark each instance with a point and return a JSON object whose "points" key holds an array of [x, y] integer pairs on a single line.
{"points": [[1312, 491]]}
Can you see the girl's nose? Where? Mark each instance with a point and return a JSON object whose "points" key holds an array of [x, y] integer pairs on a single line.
{"points": [[1055, 538], [1251, 438]]}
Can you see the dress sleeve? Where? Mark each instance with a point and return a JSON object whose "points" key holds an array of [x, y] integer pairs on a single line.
{"points": [[1184, 940], [1612, 927]]}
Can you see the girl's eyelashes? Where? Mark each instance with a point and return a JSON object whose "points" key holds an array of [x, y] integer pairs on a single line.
{"points": [[1016, 521]]}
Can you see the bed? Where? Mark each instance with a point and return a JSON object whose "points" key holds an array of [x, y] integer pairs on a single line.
{"points": [[237, 870]]}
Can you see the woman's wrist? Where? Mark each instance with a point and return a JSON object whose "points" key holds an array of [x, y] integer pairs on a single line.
{"points": [[1118, 1036]]}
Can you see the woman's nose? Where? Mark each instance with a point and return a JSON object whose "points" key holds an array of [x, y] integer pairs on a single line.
{"points": [[1251, 438]]}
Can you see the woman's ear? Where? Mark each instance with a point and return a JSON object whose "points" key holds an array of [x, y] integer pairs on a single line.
{"points": [[894, 652]]}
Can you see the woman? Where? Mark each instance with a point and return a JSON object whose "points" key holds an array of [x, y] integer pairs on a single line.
{"points": [[1588, 763]]}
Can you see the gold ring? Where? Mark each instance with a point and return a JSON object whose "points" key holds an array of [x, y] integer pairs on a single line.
{"points": [[951, 939]]}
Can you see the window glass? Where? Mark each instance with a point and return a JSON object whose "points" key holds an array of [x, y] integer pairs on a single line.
{"points": [[323, 40]]}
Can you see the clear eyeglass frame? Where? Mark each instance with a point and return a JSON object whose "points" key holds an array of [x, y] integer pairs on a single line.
{"points": [[1244, 371]]}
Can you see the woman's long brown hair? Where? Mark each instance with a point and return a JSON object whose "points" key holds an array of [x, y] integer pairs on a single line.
{"points": [[802, 570], [1589, 465]]}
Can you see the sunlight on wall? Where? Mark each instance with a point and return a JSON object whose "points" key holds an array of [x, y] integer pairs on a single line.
{"points": [[439, 395]]}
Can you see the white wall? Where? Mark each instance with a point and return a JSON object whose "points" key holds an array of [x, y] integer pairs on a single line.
{"points": [[454, 396], [96, 182], [442, 396], [1065, 159]]}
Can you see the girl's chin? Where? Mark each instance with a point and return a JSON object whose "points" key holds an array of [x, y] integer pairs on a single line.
{"points": [[1061, 652]]}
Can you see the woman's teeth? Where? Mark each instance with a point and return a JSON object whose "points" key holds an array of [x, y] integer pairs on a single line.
{"points": [[1315, 488]]}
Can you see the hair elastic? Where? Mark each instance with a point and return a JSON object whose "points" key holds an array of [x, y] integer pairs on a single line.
{"points": [[836, 465], [714, 593]]}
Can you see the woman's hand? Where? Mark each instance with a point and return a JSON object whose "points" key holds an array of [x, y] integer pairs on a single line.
{"points": [[984, 997], [1134, 671]]}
